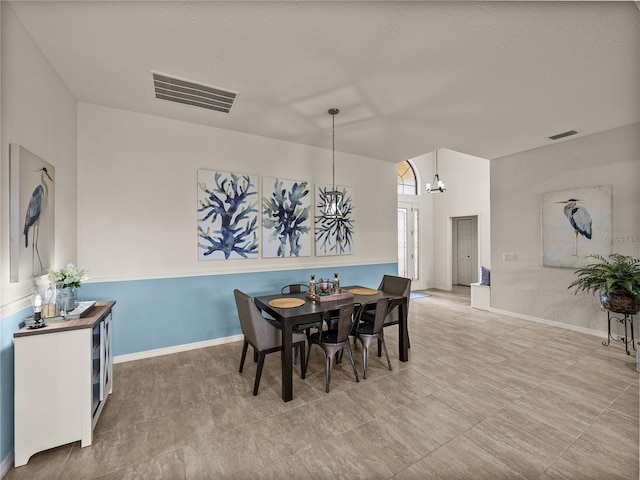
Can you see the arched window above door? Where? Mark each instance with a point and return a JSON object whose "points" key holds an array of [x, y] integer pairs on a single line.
{"points": [[407, 184]]}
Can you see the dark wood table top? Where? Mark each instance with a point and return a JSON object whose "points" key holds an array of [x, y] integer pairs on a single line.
{"points": [[311, 307]]}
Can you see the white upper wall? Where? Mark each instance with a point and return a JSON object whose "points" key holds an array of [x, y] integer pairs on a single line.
{"points": [[467, 181], [39, 113], [524, 286], [137, 186]]}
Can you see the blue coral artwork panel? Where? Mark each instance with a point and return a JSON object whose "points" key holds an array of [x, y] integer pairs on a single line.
{"points": [[286, 218], [227, 215], [334, 236]]}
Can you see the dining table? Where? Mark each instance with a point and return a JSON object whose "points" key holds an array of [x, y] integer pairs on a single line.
{"points": [[314, 311]]}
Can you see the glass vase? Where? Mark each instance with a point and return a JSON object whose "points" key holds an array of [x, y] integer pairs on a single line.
{"points": [[66, 299]]}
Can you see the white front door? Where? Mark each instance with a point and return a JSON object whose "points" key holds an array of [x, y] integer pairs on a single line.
{"points": [[409, 242]]}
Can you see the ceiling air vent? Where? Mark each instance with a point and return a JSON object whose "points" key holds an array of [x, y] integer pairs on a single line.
{"points": [[562, 135], [191, 93]]}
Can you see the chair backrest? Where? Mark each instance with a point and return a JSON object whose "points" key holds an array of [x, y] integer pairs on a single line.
{"points": [[294, 288], [396, 286], [258, 331], [382, 310], [345, 322]]}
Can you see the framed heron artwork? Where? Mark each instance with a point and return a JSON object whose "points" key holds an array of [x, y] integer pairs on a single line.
{"points": [[334, 232], [31, 216], [286, 223], [576, 223], [227, 215]]}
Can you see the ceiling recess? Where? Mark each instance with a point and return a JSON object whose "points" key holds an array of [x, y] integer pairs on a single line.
{"points": [[190, 93], [562, 135]]}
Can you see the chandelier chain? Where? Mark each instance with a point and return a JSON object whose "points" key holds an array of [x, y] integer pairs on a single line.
{"points": [[333, 117]]}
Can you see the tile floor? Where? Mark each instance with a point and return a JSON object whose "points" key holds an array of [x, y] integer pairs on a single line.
{"points": [[483, 396]]}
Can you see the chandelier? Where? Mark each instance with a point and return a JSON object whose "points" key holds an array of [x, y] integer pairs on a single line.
{"points": [[438, 185], [333, 202]]}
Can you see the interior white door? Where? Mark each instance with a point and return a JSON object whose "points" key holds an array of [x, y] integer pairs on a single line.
{"points": [[464, 251]]}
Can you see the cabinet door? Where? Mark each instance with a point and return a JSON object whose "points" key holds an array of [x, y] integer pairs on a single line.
{"points": [[106, 357], [48, 391]]}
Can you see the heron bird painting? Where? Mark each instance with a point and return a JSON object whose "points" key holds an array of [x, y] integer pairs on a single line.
{"points": [[579, 218], [34, 211], [575, 224], [31, 216]]}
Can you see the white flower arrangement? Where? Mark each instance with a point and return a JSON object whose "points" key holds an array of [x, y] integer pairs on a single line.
{"points": [[69, 276]]}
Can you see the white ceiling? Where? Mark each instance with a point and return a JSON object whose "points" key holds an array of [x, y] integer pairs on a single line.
{"points": [[484, 78]]}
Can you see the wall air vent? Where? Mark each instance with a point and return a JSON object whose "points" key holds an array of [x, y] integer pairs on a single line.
{"points": [[191, 93], [562, 135]]}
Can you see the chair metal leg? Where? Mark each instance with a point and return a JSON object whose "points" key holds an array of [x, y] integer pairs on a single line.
{"points": [[367, 341], [365, 359], [353, 365], [245, 346], [328, 360], [258, 373], [384, 346], [306, 365]]}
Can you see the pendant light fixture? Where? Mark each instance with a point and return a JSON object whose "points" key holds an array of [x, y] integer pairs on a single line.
{"points": [[333, 202], [438, 185]]}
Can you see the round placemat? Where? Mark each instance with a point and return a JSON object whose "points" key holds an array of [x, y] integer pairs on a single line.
{"points": [[287, 302], [363, 291]]}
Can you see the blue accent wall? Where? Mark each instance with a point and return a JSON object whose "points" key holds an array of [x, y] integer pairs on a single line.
{"points": [[151, 314], [8, 326]]}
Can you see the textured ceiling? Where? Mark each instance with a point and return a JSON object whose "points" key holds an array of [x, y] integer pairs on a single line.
{"points": [[484, 78]]}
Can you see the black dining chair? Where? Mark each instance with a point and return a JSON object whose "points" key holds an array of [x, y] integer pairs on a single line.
{"points": [[396, 286], [368, 332], [333, 341], [305, 328], [294, 288], [263, 336], [330, 318]]}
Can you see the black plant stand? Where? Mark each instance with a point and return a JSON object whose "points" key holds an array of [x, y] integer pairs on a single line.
{"points": [[620, 318]]}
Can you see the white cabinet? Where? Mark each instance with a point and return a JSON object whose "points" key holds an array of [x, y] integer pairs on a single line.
{"points": [[63, 376]]}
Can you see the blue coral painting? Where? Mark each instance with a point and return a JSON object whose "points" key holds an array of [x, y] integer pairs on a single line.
{"points": [[334, 236], [286, 206], [227, 215]]}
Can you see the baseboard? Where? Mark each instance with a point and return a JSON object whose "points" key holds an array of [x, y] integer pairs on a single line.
{"points": [[6, 465], [175, 349], [553, 323]]}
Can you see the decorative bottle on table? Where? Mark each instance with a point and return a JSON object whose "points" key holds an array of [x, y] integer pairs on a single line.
{"points": [[312, 285], [336, 283]]}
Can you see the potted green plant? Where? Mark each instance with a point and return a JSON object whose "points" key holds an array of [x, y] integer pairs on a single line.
{"points": [[616, 280]]}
